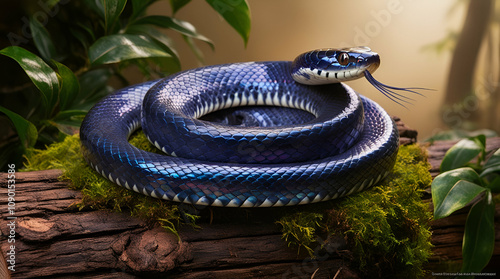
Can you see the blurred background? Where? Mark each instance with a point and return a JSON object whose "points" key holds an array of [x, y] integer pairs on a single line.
{"points": [[85, 49]]}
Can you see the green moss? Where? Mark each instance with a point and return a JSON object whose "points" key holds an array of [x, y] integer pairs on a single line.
{"points": [[299, 229], [98, 192], [387, 227]]}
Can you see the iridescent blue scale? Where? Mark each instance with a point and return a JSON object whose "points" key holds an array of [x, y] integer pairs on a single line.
{"points": [[246, 134]]}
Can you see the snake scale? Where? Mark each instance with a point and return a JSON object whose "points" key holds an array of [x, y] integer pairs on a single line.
{"points": [[255, 134]]}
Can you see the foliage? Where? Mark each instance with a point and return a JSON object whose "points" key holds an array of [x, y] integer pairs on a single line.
{"points": [[98, 192], [462, 183], [80, 48], [386, 227]]}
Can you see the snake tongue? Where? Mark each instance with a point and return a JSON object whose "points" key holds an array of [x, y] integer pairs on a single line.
{"points": [[390, 91]]}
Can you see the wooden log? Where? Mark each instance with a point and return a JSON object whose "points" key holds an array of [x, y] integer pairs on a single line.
{"points": [[438, 149], [53, 239]]}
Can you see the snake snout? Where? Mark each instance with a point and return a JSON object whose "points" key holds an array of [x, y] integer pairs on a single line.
{"points": [[372, 62]]}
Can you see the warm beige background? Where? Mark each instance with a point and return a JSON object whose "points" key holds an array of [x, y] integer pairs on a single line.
{"points": [[396, 29]]}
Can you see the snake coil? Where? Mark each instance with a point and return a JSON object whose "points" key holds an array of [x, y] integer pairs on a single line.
{"points": [[247, 134]]}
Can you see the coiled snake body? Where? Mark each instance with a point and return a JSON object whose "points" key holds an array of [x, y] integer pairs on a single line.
{"points": [[281, 143]]}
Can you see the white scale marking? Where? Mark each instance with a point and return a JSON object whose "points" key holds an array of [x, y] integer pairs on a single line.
{"points": [[217, 202]]}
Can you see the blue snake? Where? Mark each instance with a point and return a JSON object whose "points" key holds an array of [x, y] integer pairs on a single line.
{"points": [[255, 134]]}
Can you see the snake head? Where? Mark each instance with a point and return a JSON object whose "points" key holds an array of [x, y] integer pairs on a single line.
{"points": [[324, 66]]}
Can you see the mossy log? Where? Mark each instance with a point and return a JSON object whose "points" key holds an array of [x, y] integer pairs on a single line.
{"points": [[54, 239]]}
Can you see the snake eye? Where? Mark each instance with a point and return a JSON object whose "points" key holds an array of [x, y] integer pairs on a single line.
{"points": [[343, 58]]}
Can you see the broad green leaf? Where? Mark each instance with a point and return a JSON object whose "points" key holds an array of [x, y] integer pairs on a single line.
{"points": [[139, 7], [112, 12], [461, 153], [492, 165], [167, 65], [176, 5], [155, 34], [117, 48], [69, 85], [25, 129], [183, 27], [479, 235], [462, 193], [44, 78], [42, 40], [236, 13], [452, 186]]}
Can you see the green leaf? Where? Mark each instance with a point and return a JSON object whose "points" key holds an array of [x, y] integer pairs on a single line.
{"points": [[183, 27], [176, 5], [236, 13], [69, 85], [166, 65], [458, 197], [42, 40], [492, 165], [44, 78], [112, 12], [25, 129], [156, 35], [139, 7], [453, 189], [462, 152], [479, 235], [117, 48]]}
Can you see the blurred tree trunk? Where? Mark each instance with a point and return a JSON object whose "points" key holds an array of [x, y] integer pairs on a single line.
{"points": [[463, 64], [494, 109]]}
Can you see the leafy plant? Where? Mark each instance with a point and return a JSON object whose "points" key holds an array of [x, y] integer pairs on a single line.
{"points": [[463, 182], [71, 56]]}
